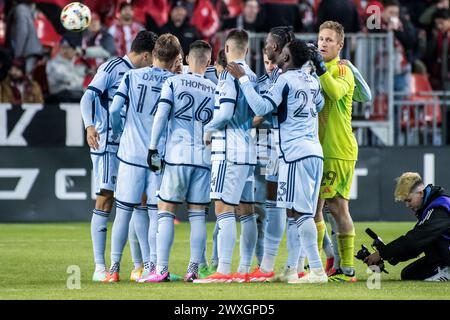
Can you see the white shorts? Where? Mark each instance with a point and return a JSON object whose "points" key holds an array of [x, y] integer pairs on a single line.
{"points": [[272, 169], [232, 183], [260, 184], [299, 185], [185, 183], [105, 167], [133, 181]]}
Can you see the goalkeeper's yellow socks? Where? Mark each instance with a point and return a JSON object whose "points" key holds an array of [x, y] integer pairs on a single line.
{"points": [[346, 245], [321, 229]]}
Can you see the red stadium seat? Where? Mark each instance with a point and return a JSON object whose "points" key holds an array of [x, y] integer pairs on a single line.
{"points": [[420, 88], [45, 31]]}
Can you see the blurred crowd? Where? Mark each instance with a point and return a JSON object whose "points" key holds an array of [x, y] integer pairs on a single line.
{"points": [[40, 61]]}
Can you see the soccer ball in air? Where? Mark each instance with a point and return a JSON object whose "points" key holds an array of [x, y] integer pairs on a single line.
{"points": [[75, 17]]}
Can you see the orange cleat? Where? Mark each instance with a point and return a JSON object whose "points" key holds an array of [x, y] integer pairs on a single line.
{"points": [[239, 277], [216, 277], [112, 277], [258, 276]]}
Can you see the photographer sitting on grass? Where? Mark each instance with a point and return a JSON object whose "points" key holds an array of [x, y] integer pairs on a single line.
{"points": [[431, 234]]}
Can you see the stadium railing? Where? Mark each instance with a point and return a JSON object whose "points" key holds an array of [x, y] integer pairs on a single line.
{"points": [[373, 55]]}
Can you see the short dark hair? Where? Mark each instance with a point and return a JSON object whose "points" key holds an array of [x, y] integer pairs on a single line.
{"points": [[441, 14], [282, 35], [201, 50], [388, 3], [144, 42], [239, 37], [222, 58], [125, 4], [299, 51], [167, 47]]}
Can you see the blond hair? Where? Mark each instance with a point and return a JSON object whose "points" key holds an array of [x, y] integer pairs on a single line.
{"points": [[406, 184], [335, 26]]}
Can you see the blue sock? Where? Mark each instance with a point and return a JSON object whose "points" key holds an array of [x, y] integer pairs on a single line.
{"points": [[99, 228], [135, 250], [152, 231], [215, 255], [120, 232], [276, 223], [141, 225], [308, 238], [164, 240], [197, 219], [226, 240], [261, 222], [247, 243], [292, 243]]}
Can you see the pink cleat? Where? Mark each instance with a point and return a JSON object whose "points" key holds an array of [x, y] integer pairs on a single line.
{"points": [[153, 277]]}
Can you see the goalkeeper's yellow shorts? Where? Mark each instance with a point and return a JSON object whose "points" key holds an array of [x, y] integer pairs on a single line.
{"points": [[337, 178]]}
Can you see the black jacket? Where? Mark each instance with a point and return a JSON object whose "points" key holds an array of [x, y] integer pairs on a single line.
{"points": [[431, 234]]}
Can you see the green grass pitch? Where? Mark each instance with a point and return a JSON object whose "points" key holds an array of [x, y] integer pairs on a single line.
{"points": [[34, 259]]}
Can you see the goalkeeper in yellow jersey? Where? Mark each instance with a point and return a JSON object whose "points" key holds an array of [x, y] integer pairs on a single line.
{"points": [[338, 142]]}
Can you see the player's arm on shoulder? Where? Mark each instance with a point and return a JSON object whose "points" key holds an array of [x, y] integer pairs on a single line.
{"points": [[227, 102], [165, 105], [337, 82], [118, 103], [258, 104], [362, 91]]}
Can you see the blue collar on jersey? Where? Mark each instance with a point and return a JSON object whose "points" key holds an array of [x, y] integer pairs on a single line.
{"points": [[196, 74], [128, 61], [241, 62]]}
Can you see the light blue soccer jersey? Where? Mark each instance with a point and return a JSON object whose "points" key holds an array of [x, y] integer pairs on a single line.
{"points": [[210, 73], [297, 97], [142, 89], [231, 138], [263, 131], [101, 90], [189, 99]]}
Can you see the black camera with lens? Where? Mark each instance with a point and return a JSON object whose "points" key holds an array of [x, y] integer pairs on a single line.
{"points": [[364, 252]]}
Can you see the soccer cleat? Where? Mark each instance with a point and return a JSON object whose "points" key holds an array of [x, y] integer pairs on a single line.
{"points": [[190, 277], [340, 276], [136, 274], [329, 264], [99, 276], [204, 271], [239, 277], [313, 276], [216, 277], [301, 274], [442, 274], [258, 276], [287, 275], [112, 277], [153, 277]]}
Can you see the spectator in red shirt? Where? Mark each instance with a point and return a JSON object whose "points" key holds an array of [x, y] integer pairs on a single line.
{"points": [[124, 29], [204, 17]]}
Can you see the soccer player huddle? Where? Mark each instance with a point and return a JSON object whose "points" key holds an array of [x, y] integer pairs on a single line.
{"points": [[272, 152]]}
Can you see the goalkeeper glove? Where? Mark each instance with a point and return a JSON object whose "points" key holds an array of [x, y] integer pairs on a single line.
{"points": [[153, 160], [317, 60]]}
